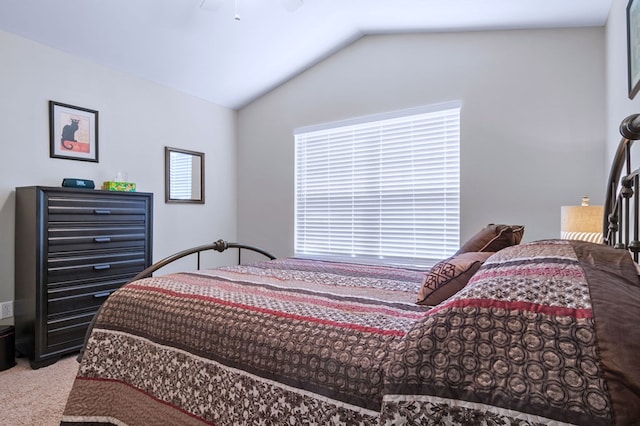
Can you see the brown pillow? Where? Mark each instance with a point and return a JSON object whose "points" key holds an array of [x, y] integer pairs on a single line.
{"points": [[494, 238], [449, 276]]}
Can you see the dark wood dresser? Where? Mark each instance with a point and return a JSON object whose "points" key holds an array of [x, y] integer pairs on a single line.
{"points": [[73, 247]]}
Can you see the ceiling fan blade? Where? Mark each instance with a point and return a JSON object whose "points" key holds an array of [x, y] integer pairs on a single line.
{"points": [[291, 5], [211, 4]]}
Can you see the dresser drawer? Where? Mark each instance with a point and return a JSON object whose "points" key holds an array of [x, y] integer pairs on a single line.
{"points": [[82, 295], [67, 332], [95, 208], [76, 266], [61, 238]]}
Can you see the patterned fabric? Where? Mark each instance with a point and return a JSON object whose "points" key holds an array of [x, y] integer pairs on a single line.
{"points": [[493, 238], [544, 333], [519, 342], [450, 276], [594, 237], [281, 342]]}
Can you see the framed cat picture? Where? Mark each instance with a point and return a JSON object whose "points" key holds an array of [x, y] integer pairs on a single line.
{"points": [[73, 132]]}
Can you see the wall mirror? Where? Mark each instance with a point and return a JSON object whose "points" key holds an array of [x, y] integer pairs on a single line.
{"points": [[183, 176]]}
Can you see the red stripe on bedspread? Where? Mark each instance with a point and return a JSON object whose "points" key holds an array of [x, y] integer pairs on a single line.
{"points": [[555, 272], [517, 306], [280, 314]]}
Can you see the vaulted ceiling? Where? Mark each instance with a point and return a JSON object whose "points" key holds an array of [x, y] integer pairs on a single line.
{"points": [[199, 47]]}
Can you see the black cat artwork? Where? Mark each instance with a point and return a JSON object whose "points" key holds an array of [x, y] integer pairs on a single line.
{"points": [[69, 134]]}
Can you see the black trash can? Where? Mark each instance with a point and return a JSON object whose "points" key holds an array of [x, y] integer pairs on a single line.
{"points": [[7, 346]]}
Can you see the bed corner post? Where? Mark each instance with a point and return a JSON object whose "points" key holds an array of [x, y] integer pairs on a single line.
{"points": [[617, 216]]}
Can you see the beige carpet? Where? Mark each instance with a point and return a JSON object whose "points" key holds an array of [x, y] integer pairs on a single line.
{"points": [[35, 397]]}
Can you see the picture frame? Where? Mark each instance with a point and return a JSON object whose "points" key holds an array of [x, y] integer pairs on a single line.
{"points": [[73, 132], [633, 46]]}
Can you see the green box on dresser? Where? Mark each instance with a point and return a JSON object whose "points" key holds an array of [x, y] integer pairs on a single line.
{"points": [[73, 247]]}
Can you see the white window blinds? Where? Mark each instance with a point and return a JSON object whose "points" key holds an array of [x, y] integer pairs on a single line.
{"points": [[181, 175], [381, 189]]}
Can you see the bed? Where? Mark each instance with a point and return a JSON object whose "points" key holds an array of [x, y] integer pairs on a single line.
{"points": [[502, 332]]}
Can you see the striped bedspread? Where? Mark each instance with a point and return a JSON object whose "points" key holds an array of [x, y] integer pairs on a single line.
{"points": [[544, 333], [281, 342]]}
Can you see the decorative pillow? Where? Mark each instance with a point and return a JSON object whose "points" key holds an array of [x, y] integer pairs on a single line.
{"points": [[494, 238], [450, 276]]}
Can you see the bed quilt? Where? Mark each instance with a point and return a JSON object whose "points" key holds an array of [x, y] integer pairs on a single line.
{"points": [[281, 342], [544, 333]]}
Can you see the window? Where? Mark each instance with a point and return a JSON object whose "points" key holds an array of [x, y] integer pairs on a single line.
{"points": [[181, 171], [382, 189]]}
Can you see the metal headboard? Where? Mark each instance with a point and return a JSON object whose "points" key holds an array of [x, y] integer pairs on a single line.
{"points": [[622, 203]]}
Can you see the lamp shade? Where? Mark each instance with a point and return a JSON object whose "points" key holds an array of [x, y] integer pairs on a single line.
{"points": [[582, 223]]}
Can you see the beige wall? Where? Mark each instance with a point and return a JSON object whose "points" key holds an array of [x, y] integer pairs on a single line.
{"points": [[136, 120], [533, 126], [533, 122], [619, 105]]}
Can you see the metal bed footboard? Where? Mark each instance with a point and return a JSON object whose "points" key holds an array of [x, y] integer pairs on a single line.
{"points": [[220, 246]]}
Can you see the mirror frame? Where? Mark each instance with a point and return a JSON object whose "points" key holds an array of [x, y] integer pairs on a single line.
{"points": [[167, 176]]}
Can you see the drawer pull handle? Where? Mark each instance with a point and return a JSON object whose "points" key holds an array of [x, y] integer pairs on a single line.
{"points": [[103, 294], [102, 211], [101, 267], [102, 239]]}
